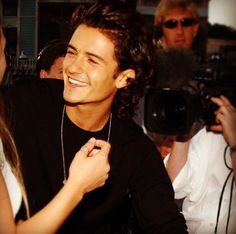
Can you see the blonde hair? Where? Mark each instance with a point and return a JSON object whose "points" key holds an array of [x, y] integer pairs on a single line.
{"points": [[166, 5], [12, 158], [10, 150]]}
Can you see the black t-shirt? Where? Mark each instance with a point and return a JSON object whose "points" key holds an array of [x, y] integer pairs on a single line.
{"points": [[138, 194]]}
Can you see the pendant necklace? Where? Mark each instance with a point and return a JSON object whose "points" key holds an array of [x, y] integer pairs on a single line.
{"points": [[62, 142]]}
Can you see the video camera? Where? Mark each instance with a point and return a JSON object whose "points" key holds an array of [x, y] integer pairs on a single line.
{"points": [[173, 112]]}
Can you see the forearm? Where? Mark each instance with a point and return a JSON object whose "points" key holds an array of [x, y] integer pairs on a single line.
{"points": [[7, 224], [85, 174], [177, 159], [52, 216]]}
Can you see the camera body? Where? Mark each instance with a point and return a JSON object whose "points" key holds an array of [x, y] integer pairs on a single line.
{"points": [[173, 112], [169, 111]]}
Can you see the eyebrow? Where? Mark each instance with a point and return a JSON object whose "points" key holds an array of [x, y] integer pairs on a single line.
{"points": [[88, 53]]}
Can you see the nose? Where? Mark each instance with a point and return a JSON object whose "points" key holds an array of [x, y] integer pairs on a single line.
{"points": [[180, 28], [75, 65]]}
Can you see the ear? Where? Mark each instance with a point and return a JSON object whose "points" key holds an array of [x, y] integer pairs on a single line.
{"points": [[162, 42], [43, 74], [124, 78]]}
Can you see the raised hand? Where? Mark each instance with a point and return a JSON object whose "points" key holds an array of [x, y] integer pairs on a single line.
{"points": [[90, 166], [226, 117]]}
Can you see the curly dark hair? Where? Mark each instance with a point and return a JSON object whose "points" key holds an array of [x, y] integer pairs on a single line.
{"points": [[125, 27]]}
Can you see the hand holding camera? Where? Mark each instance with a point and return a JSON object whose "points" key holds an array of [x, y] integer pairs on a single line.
{"points": [[226, 117]]}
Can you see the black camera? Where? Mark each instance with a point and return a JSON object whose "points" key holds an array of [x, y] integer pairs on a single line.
{"points": [[170, 112], [173, 112]]}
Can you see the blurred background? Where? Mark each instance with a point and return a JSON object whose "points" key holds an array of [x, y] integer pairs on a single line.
{"points": [[30, 24]]}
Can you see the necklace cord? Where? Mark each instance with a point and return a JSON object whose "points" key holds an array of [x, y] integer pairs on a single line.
{"points": [[222, 194], [62, 142], [62, 147]]}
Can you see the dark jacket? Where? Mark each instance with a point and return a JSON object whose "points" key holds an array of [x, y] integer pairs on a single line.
{"points": [[138, 195]]}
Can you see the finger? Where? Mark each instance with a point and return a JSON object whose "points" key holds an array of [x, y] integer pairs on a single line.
{"points": [[222, 102], [216, 128], [225, 99], [84, 149], [227, 102], [217, 101], [104, 145], [94, 151], [87, 148]]}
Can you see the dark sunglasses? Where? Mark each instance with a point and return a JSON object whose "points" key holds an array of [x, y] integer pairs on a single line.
{"points": [[185, 22]]}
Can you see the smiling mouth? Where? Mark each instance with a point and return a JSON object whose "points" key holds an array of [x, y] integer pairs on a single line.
{"points": [[77, 82]]}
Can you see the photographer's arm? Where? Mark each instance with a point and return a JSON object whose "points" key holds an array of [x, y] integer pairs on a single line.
{"points": [[177, 158], [179, 152], [226, 117]]}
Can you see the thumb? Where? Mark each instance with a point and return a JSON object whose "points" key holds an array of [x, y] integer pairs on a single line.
{"points": [[104, 146]]}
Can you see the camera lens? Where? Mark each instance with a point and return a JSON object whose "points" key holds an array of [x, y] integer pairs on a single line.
{"points": [[170, 112]]}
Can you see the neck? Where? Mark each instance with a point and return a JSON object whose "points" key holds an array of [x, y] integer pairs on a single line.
{"points": [[89, 120]]}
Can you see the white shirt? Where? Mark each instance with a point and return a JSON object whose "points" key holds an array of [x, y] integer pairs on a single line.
{"points": [[11, 182], [201, 181]]}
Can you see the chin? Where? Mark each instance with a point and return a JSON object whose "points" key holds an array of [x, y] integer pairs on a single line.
{"points": [[68, 97], [181, 46]]}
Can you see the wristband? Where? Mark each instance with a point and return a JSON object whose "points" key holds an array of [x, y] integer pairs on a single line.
{"points": [[233, 149]]}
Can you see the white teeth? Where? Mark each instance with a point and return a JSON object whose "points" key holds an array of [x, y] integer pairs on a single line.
{"points": [[73, 81], [77, 82]]}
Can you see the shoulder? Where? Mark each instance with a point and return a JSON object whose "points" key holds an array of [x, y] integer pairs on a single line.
{"points": [[204, 137], [31, 92], [130, 134], [128, 129], [29, 98], [36, 86]]}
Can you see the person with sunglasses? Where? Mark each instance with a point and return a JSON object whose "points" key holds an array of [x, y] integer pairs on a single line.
{"points": [[178, 23], [201, 164]]}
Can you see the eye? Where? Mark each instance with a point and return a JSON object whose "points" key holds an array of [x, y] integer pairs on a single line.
{"points": [[91, 60], [70, 52]]}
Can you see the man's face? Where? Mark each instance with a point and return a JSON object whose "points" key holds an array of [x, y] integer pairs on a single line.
{"points": [[2, 54], [183, 34], [89, 68], [55, 71]]}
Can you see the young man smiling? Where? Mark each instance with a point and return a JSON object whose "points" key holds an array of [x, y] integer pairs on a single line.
{"points": [[106, 68]]}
